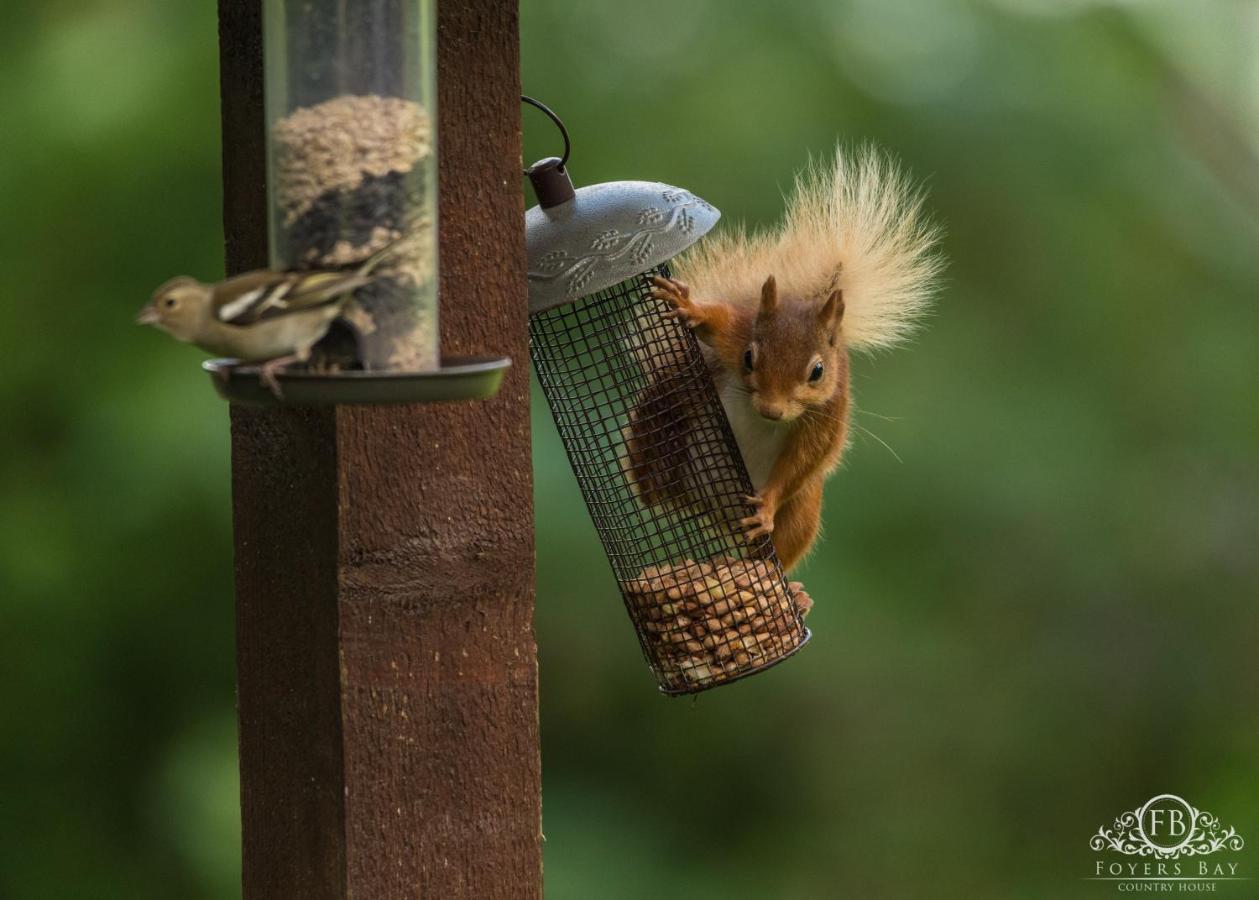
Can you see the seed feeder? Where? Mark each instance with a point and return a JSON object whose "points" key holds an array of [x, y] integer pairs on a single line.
{"points": [[645, 431], [352, 172]]}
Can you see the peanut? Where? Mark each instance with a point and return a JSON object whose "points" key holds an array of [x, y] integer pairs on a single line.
{"points": [[711, 619]]}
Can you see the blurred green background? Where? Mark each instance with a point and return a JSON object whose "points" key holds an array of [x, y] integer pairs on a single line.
{"points": [[1042, 615]]}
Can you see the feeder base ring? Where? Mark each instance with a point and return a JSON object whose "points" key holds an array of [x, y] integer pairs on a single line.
{"points": [[731, 679], [458, 378]]}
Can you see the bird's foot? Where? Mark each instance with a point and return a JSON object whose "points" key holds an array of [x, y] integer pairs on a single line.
{"points": [[267, 372]]}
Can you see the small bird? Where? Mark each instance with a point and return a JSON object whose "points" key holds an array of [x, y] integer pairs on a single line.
{"points": [[267, 317]]}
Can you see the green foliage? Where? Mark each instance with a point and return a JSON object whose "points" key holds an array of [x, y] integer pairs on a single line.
{"points": [[1042, 616]]}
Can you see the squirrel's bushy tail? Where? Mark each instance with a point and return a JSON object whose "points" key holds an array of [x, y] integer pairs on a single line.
{"points": [[857, 224]]}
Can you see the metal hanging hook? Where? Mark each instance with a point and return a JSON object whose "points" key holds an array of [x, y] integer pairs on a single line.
{"points": [[558, 124]]}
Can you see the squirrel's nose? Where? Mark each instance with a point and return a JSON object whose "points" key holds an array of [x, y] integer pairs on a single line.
{"points": [[772, 412]]}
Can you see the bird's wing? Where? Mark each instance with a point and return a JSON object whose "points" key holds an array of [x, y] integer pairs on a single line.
{"points": [[257, 296]]}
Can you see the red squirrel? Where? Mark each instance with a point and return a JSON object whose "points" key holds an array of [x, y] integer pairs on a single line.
{"points": [[851, 267]]}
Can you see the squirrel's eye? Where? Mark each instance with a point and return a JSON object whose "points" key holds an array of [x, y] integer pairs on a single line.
{"points": [[816, 374], [747, 360]]}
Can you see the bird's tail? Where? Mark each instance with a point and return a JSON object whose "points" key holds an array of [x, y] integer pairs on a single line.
{"points": [[366, 266]]}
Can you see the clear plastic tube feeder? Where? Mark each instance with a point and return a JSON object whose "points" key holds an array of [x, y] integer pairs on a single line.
{"points": [[350, 100]]}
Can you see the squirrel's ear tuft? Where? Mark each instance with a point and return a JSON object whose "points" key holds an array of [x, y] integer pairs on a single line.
{"points": [[769, 296], [833, 310]]}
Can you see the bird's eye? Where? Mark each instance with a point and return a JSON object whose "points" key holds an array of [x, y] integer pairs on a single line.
{"points": [[747, 360], [816, 375], [170, 302]]}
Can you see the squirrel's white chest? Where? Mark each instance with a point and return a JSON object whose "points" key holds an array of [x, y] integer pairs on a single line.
{"points": [[760, 440]]}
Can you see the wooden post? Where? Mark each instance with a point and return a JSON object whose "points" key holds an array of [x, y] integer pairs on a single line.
{"points": [[384, 555]]}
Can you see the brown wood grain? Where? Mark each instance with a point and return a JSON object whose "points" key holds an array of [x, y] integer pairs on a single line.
{"points": [[244, 134], [384, 555]]}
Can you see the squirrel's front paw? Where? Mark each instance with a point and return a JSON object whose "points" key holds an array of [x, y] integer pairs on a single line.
{"points": [[761, 523], [678, 295]]}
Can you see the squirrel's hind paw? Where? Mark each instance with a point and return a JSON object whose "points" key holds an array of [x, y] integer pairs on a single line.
{"points": [[801, 597]]}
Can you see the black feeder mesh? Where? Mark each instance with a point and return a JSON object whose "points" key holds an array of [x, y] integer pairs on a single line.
{"points": [[664, 482]]}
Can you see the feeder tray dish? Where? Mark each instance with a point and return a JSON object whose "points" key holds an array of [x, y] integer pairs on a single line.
{"points": [[458, 378]]}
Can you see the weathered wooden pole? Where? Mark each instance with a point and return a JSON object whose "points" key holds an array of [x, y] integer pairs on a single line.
{"points": [[384, 555]]}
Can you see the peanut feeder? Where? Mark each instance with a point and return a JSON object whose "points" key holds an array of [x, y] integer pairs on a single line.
{"points": [[645, 432]]}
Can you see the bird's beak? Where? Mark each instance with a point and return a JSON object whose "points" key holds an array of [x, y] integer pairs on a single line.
{"points": [[147, 316]]}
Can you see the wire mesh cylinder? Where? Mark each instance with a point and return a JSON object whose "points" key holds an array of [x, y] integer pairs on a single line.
{"points": [[661, 474]]}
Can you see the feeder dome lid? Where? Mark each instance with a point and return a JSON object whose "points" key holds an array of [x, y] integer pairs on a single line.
{"points": [[606, 233]]}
